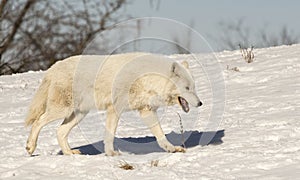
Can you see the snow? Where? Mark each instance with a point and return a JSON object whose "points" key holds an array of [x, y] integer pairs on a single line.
{"points": [[261, 122]]}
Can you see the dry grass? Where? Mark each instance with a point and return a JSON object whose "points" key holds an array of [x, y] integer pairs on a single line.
{"points": [[236, 69], [247, 54], [124, 165], [154, 163], [181, 130]]}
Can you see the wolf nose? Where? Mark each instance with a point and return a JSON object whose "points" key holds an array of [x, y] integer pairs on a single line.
{"points": [[199, 103]]}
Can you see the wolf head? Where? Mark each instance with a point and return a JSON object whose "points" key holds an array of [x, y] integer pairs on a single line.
{"points": [[185, 86]]}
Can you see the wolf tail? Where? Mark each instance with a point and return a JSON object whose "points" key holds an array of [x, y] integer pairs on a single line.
{"points": [[38, 103]]}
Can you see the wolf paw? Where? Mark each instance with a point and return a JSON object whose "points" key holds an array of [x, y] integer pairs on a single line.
{"points": [[179, 149], [112, 153], [174, 149], [167, 146], [30, 148], [73, 151]]}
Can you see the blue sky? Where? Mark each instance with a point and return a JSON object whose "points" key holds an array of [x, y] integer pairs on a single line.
{"points": [[270, 15]]}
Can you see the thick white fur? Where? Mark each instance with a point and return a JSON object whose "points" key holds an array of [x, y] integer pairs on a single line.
{"points": [[116, 83]]}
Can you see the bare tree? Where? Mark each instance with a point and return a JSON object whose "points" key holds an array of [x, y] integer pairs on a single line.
{"points": [[183, 42], [34, 34], [235, 33], [285, 37]]}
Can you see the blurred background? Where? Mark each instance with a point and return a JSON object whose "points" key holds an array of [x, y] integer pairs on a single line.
{"points": [[34, 34]]}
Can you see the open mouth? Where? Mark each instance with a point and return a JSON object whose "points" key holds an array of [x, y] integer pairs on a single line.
{"points": [[184, 104]]}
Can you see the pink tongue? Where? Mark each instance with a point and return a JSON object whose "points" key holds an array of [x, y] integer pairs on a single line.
{"points": [[184, 104]]}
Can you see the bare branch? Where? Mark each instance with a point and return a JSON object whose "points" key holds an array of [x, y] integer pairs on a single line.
{"points": [[16, 26], [234, 33], [39, 33], [2, 5]]}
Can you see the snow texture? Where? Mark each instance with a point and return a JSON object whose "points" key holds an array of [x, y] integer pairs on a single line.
{"points": [[260, 129]]}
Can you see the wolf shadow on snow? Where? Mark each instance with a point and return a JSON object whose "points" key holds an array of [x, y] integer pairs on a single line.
{"points": [[148, 144]]}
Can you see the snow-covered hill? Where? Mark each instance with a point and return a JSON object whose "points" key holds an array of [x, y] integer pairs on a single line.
{"points": [[261, 123]]}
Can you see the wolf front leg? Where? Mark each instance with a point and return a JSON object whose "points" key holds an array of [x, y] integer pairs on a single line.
{"points": [[151, 120], [111, 124]]}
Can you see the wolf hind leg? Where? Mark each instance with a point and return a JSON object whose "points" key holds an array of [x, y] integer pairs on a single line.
{"points": [[44, 119], [151, 120], [64, 130], [111, 124]]}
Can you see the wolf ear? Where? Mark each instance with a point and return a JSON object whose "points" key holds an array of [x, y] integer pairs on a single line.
{"points": [[185, 64], [175, 68]]}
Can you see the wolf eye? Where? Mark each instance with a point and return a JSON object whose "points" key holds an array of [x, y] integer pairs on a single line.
{"points": [[187, 88]]}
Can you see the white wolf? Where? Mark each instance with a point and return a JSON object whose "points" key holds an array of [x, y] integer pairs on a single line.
{"points": [[116, 83]]}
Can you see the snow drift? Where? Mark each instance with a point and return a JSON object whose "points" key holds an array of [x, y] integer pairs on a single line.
{"points": [[261, 123]]}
